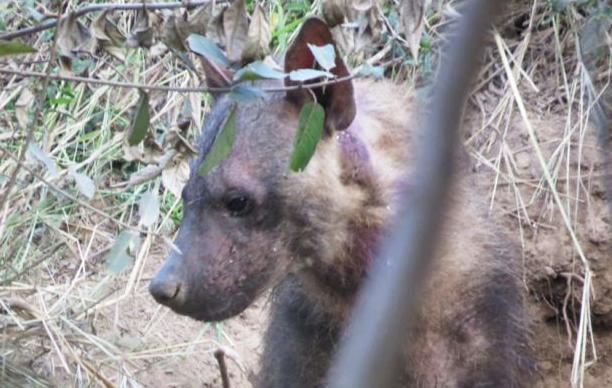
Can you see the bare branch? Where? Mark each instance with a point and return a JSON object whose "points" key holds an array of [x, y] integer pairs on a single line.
{"points": [[98, 8], [199, 89], [220, 356]]}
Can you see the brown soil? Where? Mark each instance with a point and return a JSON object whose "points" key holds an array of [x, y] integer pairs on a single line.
{"points": [[552, 270]]}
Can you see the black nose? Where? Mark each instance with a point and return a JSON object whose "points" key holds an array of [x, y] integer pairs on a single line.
{"points": [[167, 290]]}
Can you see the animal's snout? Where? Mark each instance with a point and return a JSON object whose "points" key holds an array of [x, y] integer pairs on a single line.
{"points": [[168, 290]]}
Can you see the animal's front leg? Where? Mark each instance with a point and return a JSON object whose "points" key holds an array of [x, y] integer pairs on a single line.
{"points": [[298, 343]]}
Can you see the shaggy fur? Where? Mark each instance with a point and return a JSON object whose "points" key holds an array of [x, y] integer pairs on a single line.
{"points": [[471, 329], [312, 236]]}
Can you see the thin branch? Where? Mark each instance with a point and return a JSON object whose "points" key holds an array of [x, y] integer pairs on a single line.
{"points": [[220, 356], [98, 8], [199, 89]]}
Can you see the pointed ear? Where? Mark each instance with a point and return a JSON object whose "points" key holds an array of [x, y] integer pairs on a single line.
{"points": [[337, 99], [217, 75]]}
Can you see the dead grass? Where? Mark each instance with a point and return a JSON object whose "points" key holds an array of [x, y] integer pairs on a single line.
{"points": [[66, 319]]}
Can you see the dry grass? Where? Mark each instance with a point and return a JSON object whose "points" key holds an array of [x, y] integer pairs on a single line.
{"points": [[66, 319]]}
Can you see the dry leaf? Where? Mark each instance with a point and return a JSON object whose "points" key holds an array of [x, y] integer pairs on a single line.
{"points": [[215, 30], [141, 34], [258, 37], [235, 27], [73, 37], [334, 12], [362, 5], [200, 20], [110, 39], [84, 184], [148, 209], [412, 15], [174, 29], [22, 105], [175, 176], [178, 26]]}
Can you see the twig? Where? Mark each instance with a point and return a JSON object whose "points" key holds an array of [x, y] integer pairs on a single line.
{"points": [[199, 89], [220, 356], [102, 7]]}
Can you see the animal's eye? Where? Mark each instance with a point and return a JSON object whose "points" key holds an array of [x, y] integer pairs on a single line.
{"points": [[238, 205]]}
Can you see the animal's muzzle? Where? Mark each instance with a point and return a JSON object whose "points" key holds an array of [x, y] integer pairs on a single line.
{"points": [[167, 291]]}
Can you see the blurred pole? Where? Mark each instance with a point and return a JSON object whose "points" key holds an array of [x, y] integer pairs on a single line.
{"points": [[369, 355]]}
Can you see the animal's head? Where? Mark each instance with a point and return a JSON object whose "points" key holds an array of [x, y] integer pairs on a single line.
{"points": [[232, 243]]}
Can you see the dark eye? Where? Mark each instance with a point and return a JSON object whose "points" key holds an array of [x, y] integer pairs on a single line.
{"points": [[238, 205]]}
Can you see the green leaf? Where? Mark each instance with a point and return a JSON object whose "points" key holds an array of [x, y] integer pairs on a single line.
{"points": [[118, 258], [36, 152], [140, 122], [368, 70], [325, 55], [308, 74], [84, 184], [257, 70], [148, 209], [245, 93], [14, 48], [559, 5], [207, 48], [222, 146], [310, 129]]}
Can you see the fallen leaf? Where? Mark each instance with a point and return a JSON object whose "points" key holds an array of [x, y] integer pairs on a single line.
{"points": [[141, 34], [73, 37], [109, 37], [334, 12], [412, 16], [41, 156], [257, 44], [175, 176], [235, 27], [118, 258], [84, 184], [22, 107], [148, 209]]}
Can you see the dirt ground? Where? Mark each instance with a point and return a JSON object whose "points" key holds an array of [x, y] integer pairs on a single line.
{"points": [[552, 270], [552, 274]]}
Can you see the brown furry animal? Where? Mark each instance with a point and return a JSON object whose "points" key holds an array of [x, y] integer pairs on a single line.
{"points": [[251, 225]]}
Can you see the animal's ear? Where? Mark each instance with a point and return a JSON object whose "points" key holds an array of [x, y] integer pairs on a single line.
{"points": [[337, 98], [217, 75]]}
